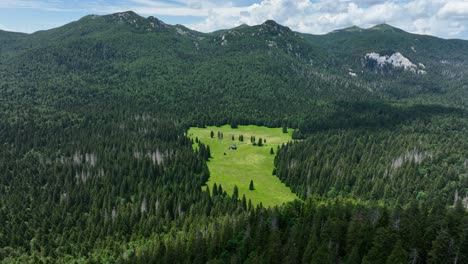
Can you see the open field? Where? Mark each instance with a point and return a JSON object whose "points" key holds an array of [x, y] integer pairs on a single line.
{"points": [[247, 163]]}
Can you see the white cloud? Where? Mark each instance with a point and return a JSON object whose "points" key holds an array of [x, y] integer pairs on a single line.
{"points": [[438, 17], [49, 5], [454, 10], [443, 18]]}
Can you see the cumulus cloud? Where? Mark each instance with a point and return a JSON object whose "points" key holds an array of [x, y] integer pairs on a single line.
{"points": [[438, 17], [443, 18]]}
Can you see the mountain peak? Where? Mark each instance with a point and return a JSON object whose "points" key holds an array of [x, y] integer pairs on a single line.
{"points": [[126, 14], [127, 17], [270, 26], [136, 21], [270, 23], [386, 28], [349, 29]]}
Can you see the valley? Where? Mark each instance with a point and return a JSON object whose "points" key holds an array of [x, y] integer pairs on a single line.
{"points": [[237, 167], [114, 130]]}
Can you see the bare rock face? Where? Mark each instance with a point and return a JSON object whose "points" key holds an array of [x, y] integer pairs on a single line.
{"points": [[395, 60]]}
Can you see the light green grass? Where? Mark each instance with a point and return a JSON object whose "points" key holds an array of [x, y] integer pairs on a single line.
{"points": [[247, 163]]}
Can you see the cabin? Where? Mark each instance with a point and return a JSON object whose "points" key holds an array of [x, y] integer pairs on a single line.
{"points": [[233, 147]]}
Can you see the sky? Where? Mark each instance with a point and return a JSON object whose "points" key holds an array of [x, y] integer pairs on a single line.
{"points": [[442, 18]]}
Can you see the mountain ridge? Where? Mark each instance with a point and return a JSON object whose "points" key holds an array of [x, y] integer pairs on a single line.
{"points": [[124, 54], [100, 164], [131, 14]]}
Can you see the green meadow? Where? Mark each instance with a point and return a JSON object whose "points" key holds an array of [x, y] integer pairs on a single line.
{"points": [[237, 167]]}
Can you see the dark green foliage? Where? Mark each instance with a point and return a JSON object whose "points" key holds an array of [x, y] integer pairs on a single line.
{"points": [[399, 255], [251, 185], [235, 193], [113, 181], [95, 165], [322, 232], [260, 142], [419, 160]]}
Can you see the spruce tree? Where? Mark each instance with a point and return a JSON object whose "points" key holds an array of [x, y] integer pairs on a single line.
{"points": [[399, 255], [235, 193], [208, 152], [244, 202]]}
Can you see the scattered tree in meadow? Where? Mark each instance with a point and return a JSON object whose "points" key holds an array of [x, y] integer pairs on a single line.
{"points": [[251, 185]]}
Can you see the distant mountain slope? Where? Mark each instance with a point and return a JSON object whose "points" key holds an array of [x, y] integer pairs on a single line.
{"points": [[96, 165], [248, 73]]}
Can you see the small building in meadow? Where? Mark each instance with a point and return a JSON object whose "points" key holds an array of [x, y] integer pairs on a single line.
{"points": [[233, 147]]}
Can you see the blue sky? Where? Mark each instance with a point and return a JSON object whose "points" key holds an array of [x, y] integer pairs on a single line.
{"points": [[443, 18]]}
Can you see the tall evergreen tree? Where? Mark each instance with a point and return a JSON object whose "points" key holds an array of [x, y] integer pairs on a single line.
{"points": [[251, 185]]}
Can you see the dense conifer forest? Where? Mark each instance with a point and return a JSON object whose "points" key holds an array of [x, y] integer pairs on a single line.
{"points": [[96, 165]]}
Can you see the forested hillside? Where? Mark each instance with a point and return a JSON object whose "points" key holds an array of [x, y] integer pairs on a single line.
{"points": [[96, 165]]}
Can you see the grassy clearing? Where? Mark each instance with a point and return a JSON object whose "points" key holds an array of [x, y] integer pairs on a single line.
{"points": [[247, 163]]}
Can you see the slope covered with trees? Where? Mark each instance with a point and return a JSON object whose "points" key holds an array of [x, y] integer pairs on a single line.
{"points": [[95, 165]]}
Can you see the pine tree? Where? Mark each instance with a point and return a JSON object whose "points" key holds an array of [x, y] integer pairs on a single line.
{"points": [[251, 185], [322, 255], [235, 193], [441, 251], [272, 151], [211, 134], [399, 255], [208, 152], [381, 246], [244, 202], [462, 253]]}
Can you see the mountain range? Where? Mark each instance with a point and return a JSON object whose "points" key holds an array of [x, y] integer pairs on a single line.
{"points": [[372, 62], [96, 164]]}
